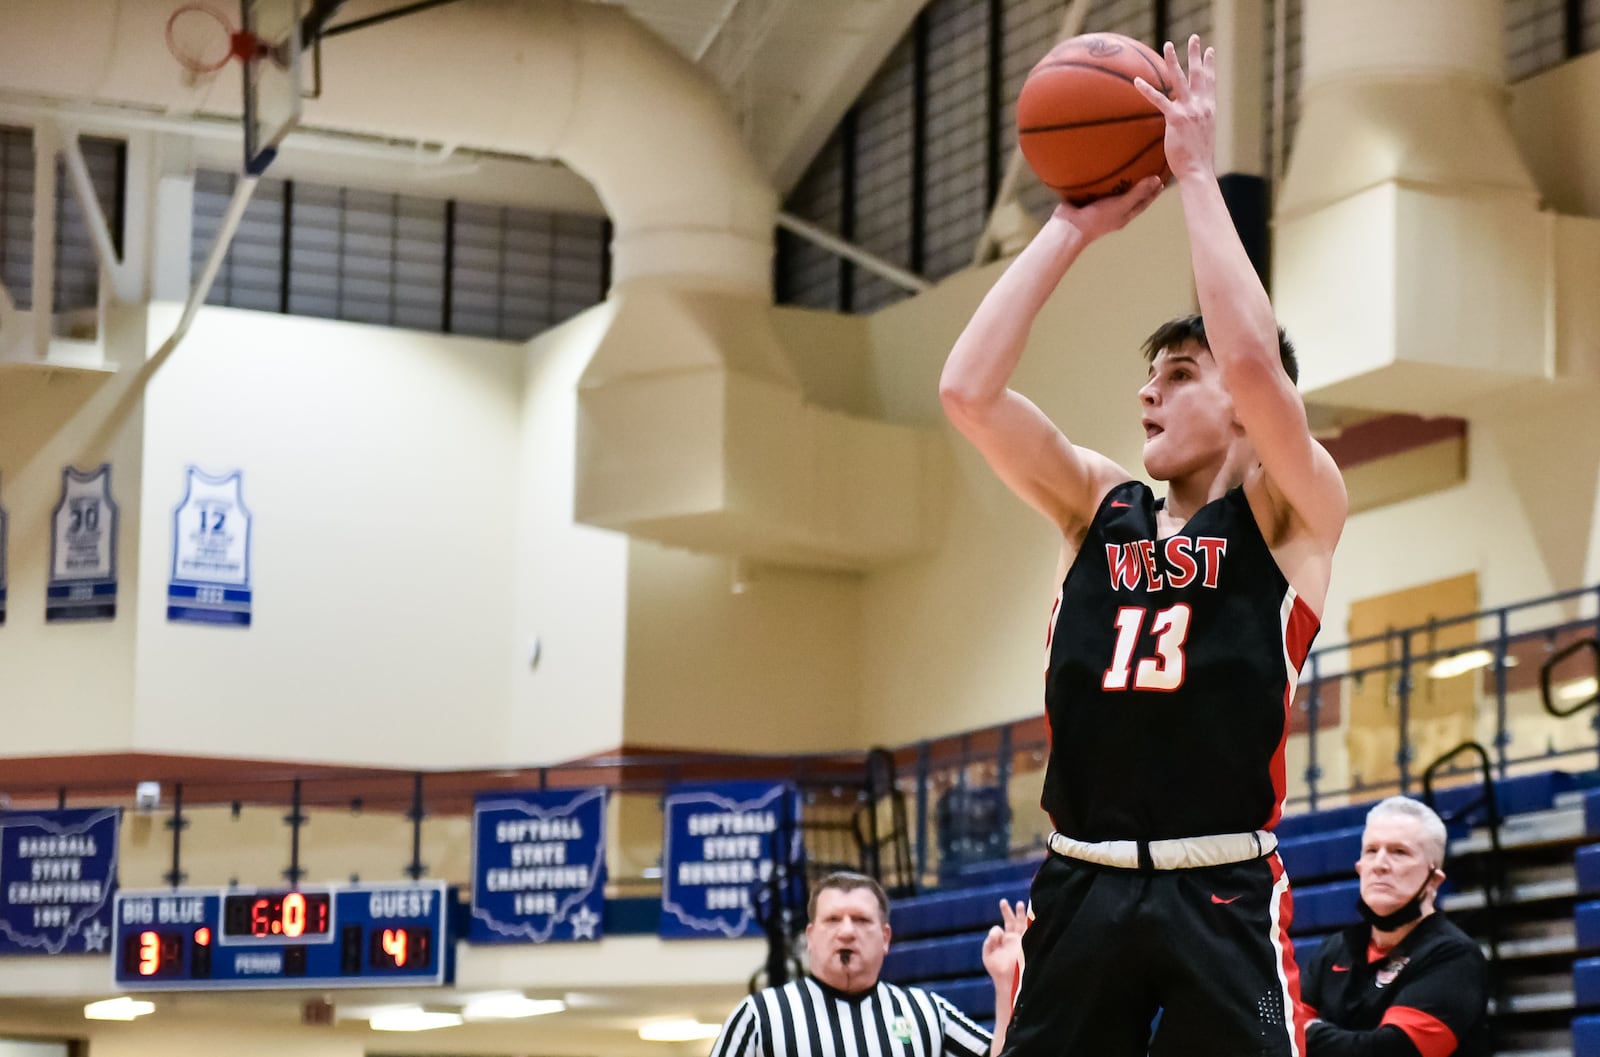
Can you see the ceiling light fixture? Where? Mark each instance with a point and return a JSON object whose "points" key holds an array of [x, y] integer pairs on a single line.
{"points": [[1578, 689], [679, 1031], [509, 1005], [1460, 664], [123, 1008], [412, 1018]]}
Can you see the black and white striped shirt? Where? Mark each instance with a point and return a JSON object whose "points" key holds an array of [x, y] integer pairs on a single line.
{"points": [[807, 1018]]}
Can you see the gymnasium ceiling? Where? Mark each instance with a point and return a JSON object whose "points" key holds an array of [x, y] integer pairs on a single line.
{"points": [[787, 69]]}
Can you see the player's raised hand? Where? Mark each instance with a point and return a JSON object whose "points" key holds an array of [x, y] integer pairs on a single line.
{"points": [[1105, 215], [1002, 948], [1191, 111]]}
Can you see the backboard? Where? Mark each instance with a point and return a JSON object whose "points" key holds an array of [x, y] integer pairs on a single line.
{"points": [[272, 77]]}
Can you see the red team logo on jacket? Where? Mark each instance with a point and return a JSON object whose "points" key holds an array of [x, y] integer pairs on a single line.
{"points": [[1390, 970]]}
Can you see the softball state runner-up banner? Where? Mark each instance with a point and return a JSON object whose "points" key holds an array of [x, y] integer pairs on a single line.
{"points": [[538, 866], [58, 877], [718, 853]]}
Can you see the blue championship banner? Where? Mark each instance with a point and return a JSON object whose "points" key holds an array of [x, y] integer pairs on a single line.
{"points": [[83, 549], [58, 875], [538, 866], [717, 855], [210, 581], [4, 525]]}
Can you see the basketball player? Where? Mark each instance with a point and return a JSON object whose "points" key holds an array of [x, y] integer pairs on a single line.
{"points": [[1179, 632]]}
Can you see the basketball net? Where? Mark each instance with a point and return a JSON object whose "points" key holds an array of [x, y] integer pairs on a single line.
{"points": [[202, 40]]}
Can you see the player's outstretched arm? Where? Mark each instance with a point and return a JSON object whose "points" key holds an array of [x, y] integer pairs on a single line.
{"points": [[1028, 452], [1240, 326]]}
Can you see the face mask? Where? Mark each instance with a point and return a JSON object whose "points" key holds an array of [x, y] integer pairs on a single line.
{"points": [[1405, 915]]}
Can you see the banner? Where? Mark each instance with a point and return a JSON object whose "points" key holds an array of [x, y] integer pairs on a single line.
{"points": [[717, 855], [58, 875], [210, 581], [4, 525], [83, 549], [538, 866]]}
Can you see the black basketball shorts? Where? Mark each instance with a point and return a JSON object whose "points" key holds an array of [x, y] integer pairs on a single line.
{"points": [[1129, 962]]}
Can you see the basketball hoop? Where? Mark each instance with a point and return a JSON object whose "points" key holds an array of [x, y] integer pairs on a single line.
{"points": [[203, 40], [267, 42]]}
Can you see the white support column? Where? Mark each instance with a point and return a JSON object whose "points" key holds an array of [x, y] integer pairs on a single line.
{"points": [[139, 187], [46, 145], [1239, 35], [170, 225], [94, 217]]}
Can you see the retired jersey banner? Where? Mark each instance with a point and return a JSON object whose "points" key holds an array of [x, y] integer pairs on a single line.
{"points": [[538, 866], [83, 549], [3, 526], [58, 875], [718, 856], [210, 581]]}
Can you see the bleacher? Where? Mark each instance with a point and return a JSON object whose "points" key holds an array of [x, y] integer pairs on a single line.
{"points": [[1541, 917]]}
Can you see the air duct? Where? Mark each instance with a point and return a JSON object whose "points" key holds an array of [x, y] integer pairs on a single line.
{"points": [[582, 82], [1410, 252], [693, 428]]}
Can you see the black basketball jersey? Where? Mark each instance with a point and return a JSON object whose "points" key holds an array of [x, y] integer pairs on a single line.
{"points": [[1172, 666]]}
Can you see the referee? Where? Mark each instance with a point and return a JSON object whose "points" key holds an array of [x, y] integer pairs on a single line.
{"points": [[842, 1009]]}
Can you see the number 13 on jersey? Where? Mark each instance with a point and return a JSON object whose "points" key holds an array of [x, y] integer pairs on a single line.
{"points": [[1165, 670]]}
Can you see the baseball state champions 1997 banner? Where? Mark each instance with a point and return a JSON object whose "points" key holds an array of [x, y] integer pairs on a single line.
{"points": [[58, 874]]}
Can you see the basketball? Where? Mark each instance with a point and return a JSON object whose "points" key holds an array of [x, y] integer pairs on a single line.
{"points": [[1084, 129]]}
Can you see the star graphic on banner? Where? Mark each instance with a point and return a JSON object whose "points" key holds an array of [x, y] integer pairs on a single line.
{"points": [[94, 937], [583, 923]]}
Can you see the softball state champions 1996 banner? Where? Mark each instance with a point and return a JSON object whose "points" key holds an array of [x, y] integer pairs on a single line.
{"points": [[538, 866]]}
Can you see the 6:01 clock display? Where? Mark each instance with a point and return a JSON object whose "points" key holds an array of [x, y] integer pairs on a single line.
{"points": [[285, 915]]}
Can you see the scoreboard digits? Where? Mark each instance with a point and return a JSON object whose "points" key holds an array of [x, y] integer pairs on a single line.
{"points": [[334, 936]]}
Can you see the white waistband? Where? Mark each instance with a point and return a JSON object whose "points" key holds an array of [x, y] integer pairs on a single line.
{"points": [[1183, 853]]}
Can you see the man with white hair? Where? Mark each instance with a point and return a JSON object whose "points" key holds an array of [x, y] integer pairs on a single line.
{"points": [[1407, 982]]}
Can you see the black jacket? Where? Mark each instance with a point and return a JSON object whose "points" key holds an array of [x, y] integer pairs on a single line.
{"points": [[1395, 1006]]}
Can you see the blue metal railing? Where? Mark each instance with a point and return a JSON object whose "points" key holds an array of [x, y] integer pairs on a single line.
{"points": [[1542, 629]]}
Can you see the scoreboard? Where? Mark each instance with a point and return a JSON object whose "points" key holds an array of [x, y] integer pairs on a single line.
{"points": [[358, 935]]}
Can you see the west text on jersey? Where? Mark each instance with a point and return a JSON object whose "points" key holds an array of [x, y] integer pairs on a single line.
{"points": [[1176, 562]]}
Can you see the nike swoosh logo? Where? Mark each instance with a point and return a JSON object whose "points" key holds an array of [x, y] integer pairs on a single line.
{"points": [[1341, 968], [1220, 901], [1118, 502]]}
